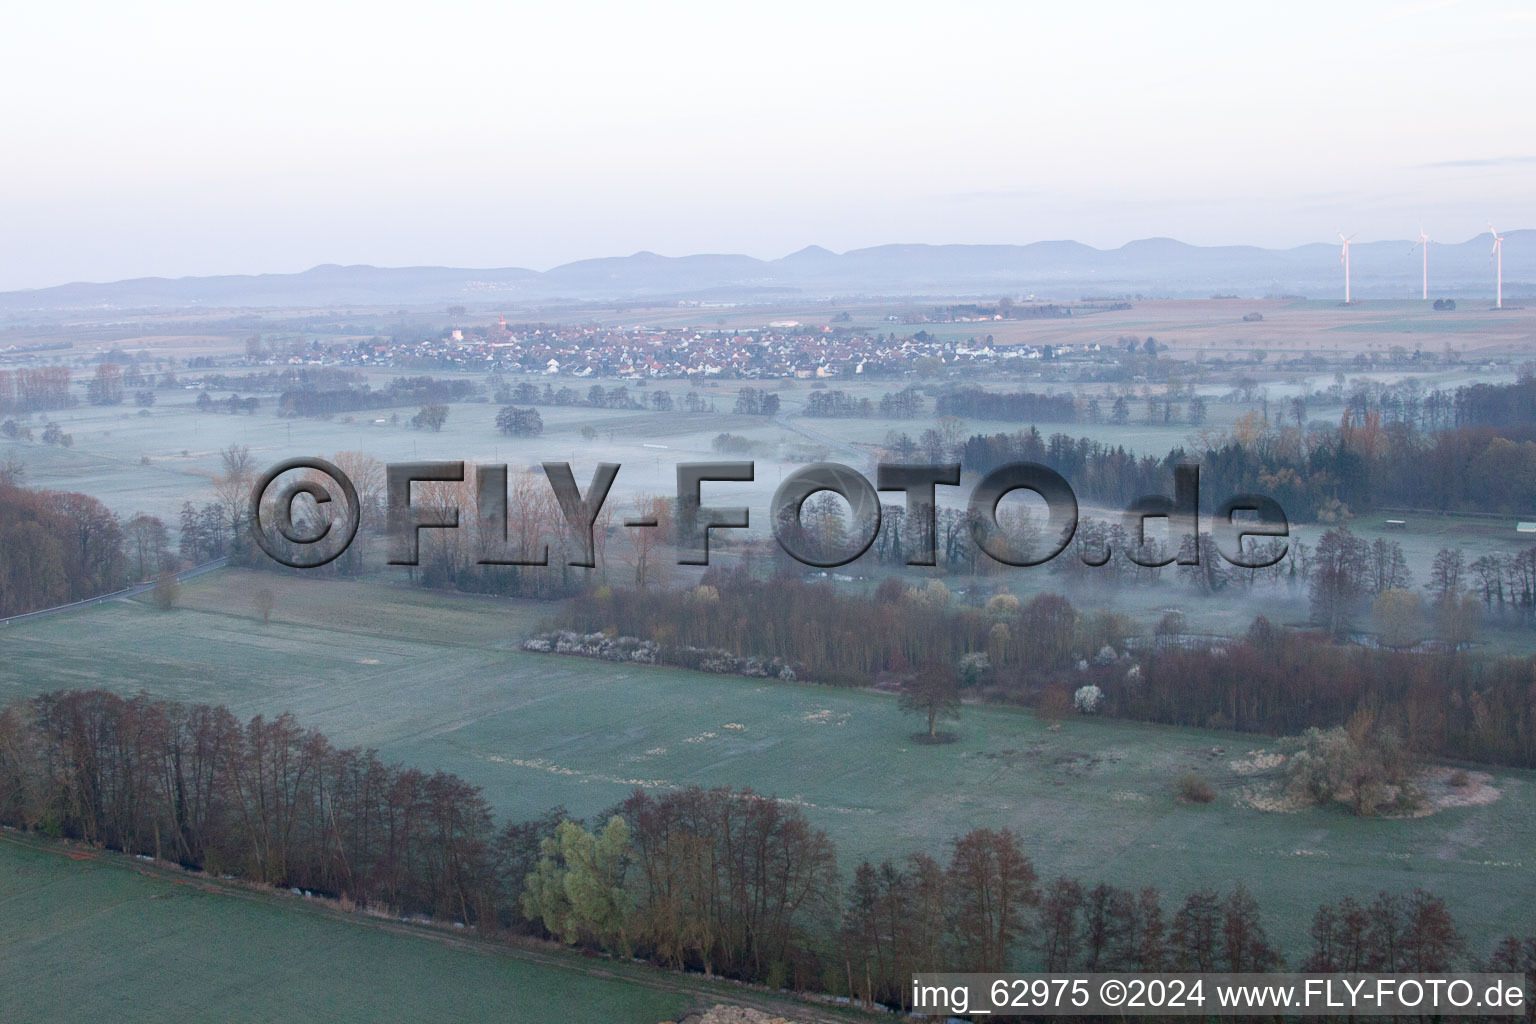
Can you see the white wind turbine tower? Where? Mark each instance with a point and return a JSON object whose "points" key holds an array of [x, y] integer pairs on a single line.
{"points": [[1423, 243], [1344, 259], [1498, 254]]}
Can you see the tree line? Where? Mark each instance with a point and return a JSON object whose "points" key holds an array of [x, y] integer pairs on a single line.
{"points": [[597, 397], [1443, 704], [1360, 466], [311, 399], [61, 546], [319, 378], [34, 390], [56, 547], [723, 881], [1023, 406]]}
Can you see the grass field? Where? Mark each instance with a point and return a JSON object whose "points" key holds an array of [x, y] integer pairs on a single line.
{"points": [[437, 681], [96, 940]]}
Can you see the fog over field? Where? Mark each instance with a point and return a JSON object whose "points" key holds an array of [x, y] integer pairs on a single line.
{"points": [[701, 514], [441, 683]]}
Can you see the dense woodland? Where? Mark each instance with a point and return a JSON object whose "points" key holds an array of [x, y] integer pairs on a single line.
{"points": [[1359, 467], [1473, 450], [57, 547], [721, 881]]}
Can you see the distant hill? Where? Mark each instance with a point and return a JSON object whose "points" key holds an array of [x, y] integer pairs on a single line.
{"points": [[1153, 267]]}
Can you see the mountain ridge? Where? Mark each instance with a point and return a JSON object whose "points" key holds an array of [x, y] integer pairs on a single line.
{"points": [[1059, 269]]}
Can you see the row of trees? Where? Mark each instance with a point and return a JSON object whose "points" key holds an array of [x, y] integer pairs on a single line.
{"points": [[232, 404], [515, 422], [1041, 652], [1020, 406], [53, 434], [1280, 682], [265, 800], [836, 404], [288, 378], [726, 882], [312, 401], [1323, 473], [59, 546], [205, 532], [1498, 405], [1404, 402], [596, 397], [34, 390], [321, 396], [756, 402]]}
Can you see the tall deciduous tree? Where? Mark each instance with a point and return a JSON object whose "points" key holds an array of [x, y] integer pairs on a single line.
{"points": [[933, 692]]}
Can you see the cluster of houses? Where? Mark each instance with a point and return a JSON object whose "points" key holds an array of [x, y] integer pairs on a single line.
{"points": [[780, 351]]}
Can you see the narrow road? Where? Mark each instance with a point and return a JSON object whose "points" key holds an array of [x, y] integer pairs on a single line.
{"points": [[116, 595]]}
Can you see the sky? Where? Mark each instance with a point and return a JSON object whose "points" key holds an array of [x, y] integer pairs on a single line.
{"points": [[170, 139]]}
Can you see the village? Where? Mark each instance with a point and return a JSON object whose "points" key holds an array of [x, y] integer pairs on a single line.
{"points": [[784, 350]]}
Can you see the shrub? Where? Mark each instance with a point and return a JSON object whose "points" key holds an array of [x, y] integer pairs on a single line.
{"points": [[167, 589], [1003, 606], [1193, 789], [974, 667], [1055, 703], [1088, 699], [1319, 770], [1371, 771]]}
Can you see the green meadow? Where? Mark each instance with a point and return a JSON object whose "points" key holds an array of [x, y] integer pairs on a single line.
{"points": [[438, 681], [92, 939]]}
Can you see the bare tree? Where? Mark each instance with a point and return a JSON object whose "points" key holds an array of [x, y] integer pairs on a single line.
{"points": [[644, 540], [367, 475], [148, 539], [264, 602], [934, 691], [233, 486], [992, 885]]}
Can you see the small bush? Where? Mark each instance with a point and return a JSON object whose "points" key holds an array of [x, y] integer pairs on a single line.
{"points": [[165, 591], [1194, 789], [1088, 699], [1459, 779], [1054, 704]]}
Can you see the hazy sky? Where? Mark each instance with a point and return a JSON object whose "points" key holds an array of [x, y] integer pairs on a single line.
{"points": [[171, 139]]}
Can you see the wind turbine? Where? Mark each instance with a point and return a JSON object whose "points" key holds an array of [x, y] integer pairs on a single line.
{"points": [[1344, 259], [1423, 243], [1498, 254]]}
